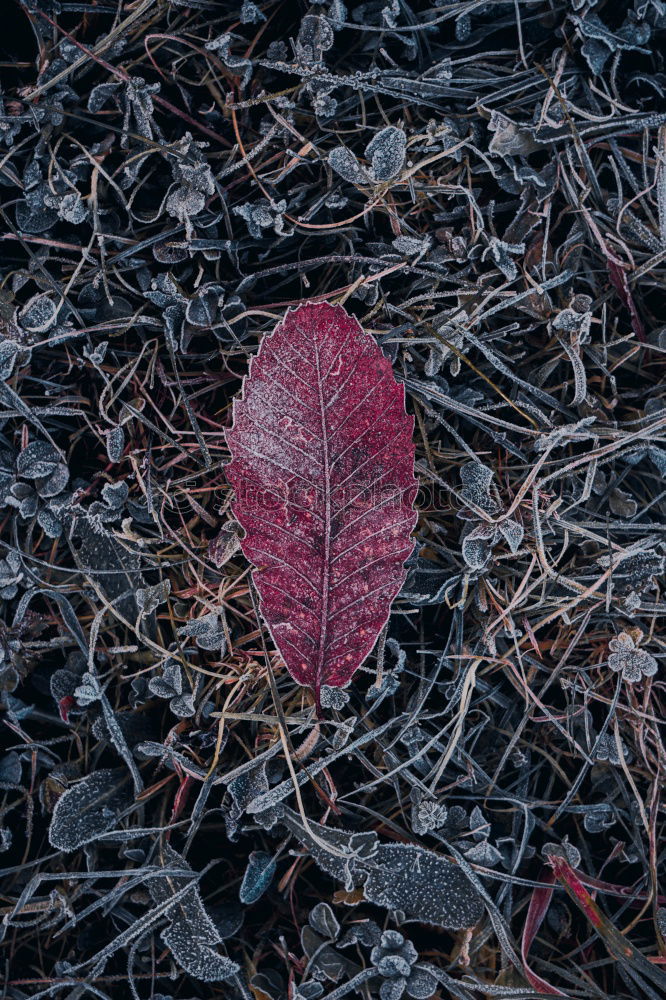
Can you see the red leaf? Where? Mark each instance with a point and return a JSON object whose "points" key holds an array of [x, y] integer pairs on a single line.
{"points": [[323, 472], [538, 908]]}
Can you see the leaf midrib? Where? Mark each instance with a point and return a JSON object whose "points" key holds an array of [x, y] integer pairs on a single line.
{"points": [[326, 568]]}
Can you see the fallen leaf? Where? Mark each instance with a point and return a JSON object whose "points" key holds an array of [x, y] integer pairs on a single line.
{"points": [[323, 472]]}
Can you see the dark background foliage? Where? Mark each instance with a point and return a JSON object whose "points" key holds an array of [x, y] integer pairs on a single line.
{"points": [[484, 186]]}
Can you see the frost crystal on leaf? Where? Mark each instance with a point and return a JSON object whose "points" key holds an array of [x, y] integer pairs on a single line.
{"points": [[599, 817], [88, 691], [341, 853], [424, 885], [225, 545], [477, 545], [386, 153], [403, 877], [194, 183], [250, 13], [484, 854], [513, 533], [410, 245], [501, 253], [37, 460]]}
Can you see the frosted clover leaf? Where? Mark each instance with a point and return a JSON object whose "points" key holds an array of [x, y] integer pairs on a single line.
{"points": [[500, 253], [139, 106], [323, 920], [627, 659], [599, 43], [73, 209], [409, 245], [9, 352], [477, 487], [135, 96], [38, 315], [478, 543], [332, 697], [188, 198], [484, 853], [11, 575], [385, 151], [221, 47], [576, 319], [207, 632], [606, 749], [262, 215], [250, 13], [314, 38], [149, 599], [427, 814], [170, 685], [394, 956], [88, 691], [396, 962], [37, 460], [343, 161], [565, 850], [45, 495]]}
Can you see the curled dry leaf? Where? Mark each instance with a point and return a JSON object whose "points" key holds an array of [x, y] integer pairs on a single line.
{"points": [[323, 472]]}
